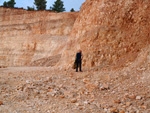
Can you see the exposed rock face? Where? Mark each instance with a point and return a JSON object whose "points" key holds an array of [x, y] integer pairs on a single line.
{"points": [[27, 36], [20, 22], [110, 32]]}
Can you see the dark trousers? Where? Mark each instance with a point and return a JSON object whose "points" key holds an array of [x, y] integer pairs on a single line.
{"points": [[78, 65]]}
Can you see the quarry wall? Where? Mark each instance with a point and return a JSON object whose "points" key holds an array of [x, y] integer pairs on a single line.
{"points": [[27, 36], [110, 32]]}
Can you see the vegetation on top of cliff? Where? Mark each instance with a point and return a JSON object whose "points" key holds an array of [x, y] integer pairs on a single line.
{"points": [[10, 3], [40, 4], [72, 10], [30, 8], [58, 6]]}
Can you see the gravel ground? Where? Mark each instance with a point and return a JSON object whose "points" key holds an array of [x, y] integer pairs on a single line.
{"points": [[51, 90]]}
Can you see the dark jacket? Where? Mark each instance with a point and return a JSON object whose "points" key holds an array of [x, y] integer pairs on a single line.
{"points": [[78, 56]]}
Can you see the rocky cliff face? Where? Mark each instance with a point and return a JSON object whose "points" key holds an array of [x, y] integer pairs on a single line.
{"points": [[18, 22], [110, 32], [27, 36]]}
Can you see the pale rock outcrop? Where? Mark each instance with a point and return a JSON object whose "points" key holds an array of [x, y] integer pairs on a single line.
{"points": [[21, 22], [33, 38]]}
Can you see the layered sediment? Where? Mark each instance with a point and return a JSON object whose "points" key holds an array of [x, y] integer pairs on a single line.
{"points": [[111, 33], [27, 36]]}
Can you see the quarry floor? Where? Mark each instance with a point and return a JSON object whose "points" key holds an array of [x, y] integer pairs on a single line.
{"points": [[53, 90]]}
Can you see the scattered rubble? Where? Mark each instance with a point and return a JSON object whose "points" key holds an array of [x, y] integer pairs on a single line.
{"points": [[52, 90]]}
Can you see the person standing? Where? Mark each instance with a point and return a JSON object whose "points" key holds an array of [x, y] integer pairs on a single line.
{"points": [[78, 60]]}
